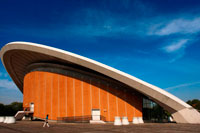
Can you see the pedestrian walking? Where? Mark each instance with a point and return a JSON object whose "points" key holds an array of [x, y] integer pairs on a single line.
{"points": [[46, 121]]}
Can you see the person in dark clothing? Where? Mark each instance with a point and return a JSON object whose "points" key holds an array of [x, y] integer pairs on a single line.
{"points": [[46, 121]]}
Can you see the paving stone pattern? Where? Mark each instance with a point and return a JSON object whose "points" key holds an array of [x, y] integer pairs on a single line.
{"points": [[36, 127]]}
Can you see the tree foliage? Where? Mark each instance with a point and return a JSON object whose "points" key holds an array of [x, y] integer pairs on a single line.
{"points": [[195, 103], [11, 109]]}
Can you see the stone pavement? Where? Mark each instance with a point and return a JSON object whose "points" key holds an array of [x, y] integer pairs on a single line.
{"points": [[36, 127]]}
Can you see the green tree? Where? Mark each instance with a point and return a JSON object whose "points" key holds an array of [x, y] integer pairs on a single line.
{"points": [[195, 103], [2, 109], [11, 109]]}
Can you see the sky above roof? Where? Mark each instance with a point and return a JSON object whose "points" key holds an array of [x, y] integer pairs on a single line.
{"points": [[156, 41]]}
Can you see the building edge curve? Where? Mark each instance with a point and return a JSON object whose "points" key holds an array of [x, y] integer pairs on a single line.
{"points": [[182, 112]]}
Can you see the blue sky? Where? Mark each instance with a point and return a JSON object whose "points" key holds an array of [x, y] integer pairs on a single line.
{"points": [[156, 41]]}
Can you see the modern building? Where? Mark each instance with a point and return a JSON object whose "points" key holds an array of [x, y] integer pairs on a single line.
{"points": [[66, 85]]}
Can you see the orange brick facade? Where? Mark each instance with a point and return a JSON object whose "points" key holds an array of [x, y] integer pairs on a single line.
{"points": [[65, 96]]}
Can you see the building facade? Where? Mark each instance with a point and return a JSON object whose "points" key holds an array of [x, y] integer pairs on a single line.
{"points": [[66, 85], [74, 95]]}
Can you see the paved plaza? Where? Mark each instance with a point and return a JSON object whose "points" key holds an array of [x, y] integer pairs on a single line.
{"points": [[36, 126]]}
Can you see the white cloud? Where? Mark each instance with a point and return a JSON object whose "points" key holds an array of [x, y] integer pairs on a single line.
{"points": [[175, 46], [186, 27], [181, 25], [182, 85], [5, 83]]}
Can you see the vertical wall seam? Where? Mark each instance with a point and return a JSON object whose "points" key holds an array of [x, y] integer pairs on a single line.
{"points": [[51, 95], [90, 94], [66, 94], [30, 76], [133, 108], [38, 92], [82, 98], [125, 103], [74, 97], [31, 91], [34, 89], [108, 102], [99, 96], [45, 94], [34, 94], [116, 103], [58, 96]]}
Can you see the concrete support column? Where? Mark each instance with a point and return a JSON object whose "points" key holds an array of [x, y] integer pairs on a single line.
{"points": [[187, 115]]}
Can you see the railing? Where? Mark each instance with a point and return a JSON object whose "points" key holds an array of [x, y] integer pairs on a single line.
{"points": [[26, 108], [77, 119]]}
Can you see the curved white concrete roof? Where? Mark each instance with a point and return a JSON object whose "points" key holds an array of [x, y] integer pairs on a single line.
{"points": [[165, 99]]}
